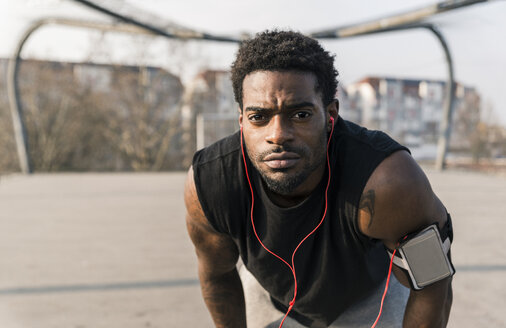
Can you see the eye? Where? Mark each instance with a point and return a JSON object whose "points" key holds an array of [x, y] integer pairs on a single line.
{"points": [[302, 115], [256, 117]]}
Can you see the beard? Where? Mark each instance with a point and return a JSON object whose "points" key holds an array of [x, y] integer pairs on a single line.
{"points": [[283, 181]]}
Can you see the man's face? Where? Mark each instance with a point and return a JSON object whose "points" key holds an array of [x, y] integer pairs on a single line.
{"points": [[285, 129]]}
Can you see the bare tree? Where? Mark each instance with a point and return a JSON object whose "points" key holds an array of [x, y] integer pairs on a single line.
{"points": [[62, 120], [144, 119], [98, 116], [130, 121]]}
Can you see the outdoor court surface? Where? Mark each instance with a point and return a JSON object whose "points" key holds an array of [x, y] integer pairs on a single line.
{"points": [[111, 251]]}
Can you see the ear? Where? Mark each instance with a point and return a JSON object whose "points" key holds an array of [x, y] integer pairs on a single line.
{"points": [[240, 117], [332, 111]]}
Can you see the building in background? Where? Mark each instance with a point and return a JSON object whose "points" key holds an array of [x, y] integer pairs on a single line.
{"points": [[348, 107], [411, 110], [87, 116]]}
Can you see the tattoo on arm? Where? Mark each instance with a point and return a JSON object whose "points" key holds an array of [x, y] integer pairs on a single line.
{"points": [[367, 203]]}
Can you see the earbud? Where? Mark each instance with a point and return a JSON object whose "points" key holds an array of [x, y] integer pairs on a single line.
{"points": [[331, 125]]}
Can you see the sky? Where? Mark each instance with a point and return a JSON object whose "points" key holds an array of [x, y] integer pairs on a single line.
{"points": [[475, 35]]}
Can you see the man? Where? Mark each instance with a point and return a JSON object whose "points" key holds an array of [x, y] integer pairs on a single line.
{"points": [[270, 185]]}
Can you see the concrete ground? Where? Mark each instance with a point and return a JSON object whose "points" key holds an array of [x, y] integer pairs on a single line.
{"points": [[111, 251]]}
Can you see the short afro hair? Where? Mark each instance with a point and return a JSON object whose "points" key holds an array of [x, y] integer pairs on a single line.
{"points": [[281, 51]]}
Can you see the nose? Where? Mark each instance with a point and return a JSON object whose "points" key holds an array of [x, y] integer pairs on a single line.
{"points": [[279, 132]]}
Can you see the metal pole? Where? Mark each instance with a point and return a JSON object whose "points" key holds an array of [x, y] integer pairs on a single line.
{"points": [[446, 123], [18, 122], [175, 33], [387, 23]]}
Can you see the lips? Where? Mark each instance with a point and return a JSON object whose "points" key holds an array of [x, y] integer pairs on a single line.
{"points": [[282, 160]]}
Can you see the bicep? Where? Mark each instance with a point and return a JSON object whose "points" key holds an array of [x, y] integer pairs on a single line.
{"points": [[216, 252], [398, 200]]}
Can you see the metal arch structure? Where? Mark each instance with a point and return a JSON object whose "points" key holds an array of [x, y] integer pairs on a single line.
{"points": [[445, 127], [404, 21], [13, 85], [13, 68], [18, 121], [411, 20], [172, 31]]}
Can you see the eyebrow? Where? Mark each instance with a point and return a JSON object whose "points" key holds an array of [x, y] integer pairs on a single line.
{"points": [[256, 109], [300, 105], [289, 107]]}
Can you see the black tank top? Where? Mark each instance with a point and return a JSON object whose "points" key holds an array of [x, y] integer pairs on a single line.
{"points": [[337, 266]]}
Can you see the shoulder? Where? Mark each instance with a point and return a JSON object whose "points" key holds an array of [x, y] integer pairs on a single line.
{"points": [[373, 139], [223, 148], [360, 151], [195, 215], [397, 200], [191, 199], [217, 180]]}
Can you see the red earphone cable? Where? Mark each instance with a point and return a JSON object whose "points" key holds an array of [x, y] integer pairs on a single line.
{"points": [[292, 266], [386, 289], [386, 285]]}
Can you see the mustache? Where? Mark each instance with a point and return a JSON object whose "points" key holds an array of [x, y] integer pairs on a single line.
{"points": [[279, 149]]}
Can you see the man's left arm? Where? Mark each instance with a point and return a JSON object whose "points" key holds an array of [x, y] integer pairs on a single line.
{"points": [[398, 200]]}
